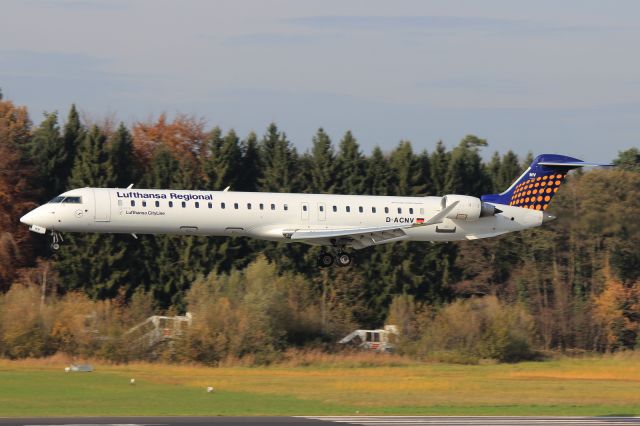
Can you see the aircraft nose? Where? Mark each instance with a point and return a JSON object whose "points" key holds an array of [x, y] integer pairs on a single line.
{"points": [[27, 219]]}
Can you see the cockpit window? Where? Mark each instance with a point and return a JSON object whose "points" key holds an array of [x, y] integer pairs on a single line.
{"points": [[72, 200], [63, 199]]}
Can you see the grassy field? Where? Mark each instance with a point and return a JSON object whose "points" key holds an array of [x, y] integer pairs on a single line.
{"points": [[590, 386]]}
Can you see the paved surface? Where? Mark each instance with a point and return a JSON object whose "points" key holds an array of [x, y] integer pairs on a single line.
{"points": [[483, 421], [290, 421]]}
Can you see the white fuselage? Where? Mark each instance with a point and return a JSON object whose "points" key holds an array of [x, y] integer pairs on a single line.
{"points": [[269, 216]]}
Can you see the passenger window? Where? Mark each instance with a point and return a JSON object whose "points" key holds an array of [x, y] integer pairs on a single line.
{"points": [[184, 204], [222, 205], [210, 205], [399, 210], [373, 209], [304, 207], [348, 208], [335, 208], [235, 206], [321, 208], [273, 206], [286, 207], [170, 203], [360, 209], [410, 210], [133, 203], [386, 209], [144, 204], [197, 205], [157, 203], [248, 206], [261, 206]]}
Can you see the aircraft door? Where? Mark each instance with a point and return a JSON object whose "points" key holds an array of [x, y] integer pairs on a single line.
{"points": [[322, 212], [304, 211], [102, 205]]}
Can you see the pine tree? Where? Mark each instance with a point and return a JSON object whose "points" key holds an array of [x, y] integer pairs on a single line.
{"points": [[160, 172], [439, 162], [50, 157], [73, 135], [223, 160], [407, 172], [95, 263], [322, 167], [279, 162], [249, 173], [493, 168], [510, 170], [527, 161], [424, 185], [350, 165], [121, 158], [92, 166], [378, 176], [466, 174]]}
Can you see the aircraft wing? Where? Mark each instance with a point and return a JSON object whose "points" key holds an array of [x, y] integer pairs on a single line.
{"points": [[359, 238], [353, 237]]}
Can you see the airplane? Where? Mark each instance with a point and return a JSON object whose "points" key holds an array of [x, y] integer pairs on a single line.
{"points": [[339, 222]]}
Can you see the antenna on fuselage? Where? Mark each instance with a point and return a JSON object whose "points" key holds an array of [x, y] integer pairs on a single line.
{"points": [[226, 189], [130, 186]]}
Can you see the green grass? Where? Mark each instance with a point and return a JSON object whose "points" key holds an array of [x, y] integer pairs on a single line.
{"points": [[594, 386]]}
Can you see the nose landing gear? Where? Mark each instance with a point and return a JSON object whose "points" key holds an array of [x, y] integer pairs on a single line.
{"points": [[56, 239]]}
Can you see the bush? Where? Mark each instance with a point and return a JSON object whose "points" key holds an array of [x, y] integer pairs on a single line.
{"points": [[254, 313], [25, 323], [478, 328]]}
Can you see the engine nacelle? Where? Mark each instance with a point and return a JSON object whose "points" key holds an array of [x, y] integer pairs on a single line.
{"points": [[468, 208]]}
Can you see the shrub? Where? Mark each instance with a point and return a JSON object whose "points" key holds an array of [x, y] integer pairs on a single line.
{"points": [[479, 328], [25, 324]]}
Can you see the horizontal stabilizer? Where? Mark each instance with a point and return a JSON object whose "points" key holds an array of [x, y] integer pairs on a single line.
{"points": [[572, 164]]}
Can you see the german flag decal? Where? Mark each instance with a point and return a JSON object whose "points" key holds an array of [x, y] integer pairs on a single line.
{"points": [[420, 220]]}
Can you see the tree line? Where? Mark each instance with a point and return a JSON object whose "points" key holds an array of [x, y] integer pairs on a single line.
{"points": [[577, 278]]}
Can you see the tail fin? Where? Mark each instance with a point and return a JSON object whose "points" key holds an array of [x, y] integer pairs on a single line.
{"points": [[539, 183]]}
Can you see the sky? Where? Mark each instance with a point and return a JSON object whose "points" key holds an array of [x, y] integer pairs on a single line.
{"points": [[541, 77]]}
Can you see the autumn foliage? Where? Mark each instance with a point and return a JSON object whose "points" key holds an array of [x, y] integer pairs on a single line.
{"points": [[571, 285]]}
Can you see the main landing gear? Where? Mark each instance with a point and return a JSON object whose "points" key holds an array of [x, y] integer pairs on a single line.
{"points": [[341, 259], [56, 239]]}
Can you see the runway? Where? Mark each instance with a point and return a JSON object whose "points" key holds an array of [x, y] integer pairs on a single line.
{"points": [[320, 420], [477, 421]]}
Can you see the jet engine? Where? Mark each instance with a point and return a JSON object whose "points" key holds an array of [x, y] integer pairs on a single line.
{"points": [[468, 208]]}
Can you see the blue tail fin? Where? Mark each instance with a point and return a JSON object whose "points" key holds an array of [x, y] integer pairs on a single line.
{"points": [[539, 183]]}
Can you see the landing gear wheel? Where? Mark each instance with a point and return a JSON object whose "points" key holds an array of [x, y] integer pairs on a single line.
{"points": [[325, 260], [56, 239], [343, 259]]}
